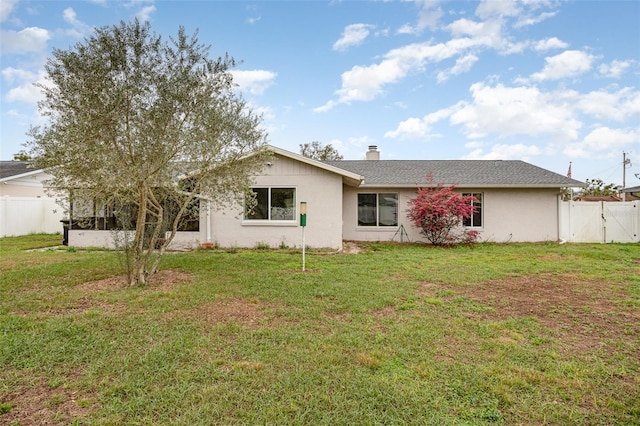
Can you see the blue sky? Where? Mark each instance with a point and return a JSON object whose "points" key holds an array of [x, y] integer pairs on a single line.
{"points": [[545, 81]]}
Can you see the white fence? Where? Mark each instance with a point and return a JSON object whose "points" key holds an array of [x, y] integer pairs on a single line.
{"points": [[600, 222], [29, 215]]}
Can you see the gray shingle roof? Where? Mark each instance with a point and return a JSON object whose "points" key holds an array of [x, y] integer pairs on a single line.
{"points": [[463, 173], [632, 189], [14, 168]]}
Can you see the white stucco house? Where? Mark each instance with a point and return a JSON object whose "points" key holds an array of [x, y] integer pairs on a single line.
{"points": [[25, 205], [366, 200], [17, 179]]}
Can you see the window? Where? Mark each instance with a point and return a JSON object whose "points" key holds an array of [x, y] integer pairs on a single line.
{"points": [[476, 219], [272, 204], [378, 209], [94, 214]]}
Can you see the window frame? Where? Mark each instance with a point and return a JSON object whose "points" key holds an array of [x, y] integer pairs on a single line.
{"points": [[269, 221], [377, 225], [470, 222]]}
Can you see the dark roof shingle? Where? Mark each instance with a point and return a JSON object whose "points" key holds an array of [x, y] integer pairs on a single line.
{"points": [[464, 173], [14, 168]]}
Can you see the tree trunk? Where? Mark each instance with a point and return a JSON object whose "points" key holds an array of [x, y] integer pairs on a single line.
{"points": [[136, 275]]}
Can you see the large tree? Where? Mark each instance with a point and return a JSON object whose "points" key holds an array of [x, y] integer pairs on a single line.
{"points": [[317, 151], [149, 127]]}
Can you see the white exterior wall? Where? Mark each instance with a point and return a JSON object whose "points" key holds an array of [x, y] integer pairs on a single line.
{"points": [[25, 186], [84, 238], [321, 189], [508, 215], [520, 215], [29, 215]]}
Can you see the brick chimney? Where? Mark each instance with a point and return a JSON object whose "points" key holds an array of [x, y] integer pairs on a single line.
{"points": [[373, 153]]}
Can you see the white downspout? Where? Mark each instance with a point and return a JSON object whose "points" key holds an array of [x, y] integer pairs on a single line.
{"points": [[208, 221]]}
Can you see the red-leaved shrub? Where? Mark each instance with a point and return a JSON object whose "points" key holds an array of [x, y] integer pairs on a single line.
{"points": [[438, 212]]}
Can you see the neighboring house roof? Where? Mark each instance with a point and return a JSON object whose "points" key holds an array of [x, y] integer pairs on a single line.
{"points": [[463, 173], [597, 198], [631, 189], [10, 170]]}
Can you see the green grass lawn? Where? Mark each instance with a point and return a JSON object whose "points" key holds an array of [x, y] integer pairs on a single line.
{"points": [[396, 334]]}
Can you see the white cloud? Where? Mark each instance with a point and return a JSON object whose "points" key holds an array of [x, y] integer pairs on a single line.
{"points": [[505, 152], [254, 81], [525, 21], [510, 48], [412, 128], [463, 64], [25, 91], [144, 14], [364, 83], [469, 37], [550, 43], [406, 29], [359, 142], [353, 35], [524, 12], [615, 69], [17, 116], [80, 29], [474, 144], [491, 8], [12, 75], [70, 16], [428, 17], [30, 39], [420, 128], [466, 27], [504, 112], [515, 111], [603, 140], [569, 63], [6, 7], [603, 105]]}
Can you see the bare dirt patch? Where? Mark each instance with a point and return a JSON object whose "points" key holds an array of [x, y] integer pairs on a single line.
{"points": [[229, 310], [251, 314], [350, 247], [583, 315], [42, 404], [161, 280]]}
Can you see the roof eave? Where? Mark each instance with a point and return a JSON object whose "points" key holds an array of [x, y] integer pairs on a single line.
{"points": [[473, 185], [21, 175]]}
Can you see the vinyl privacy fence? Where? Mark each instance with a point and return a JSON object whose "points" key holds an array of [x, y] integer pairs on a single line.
{"points": [[29, 215], [600, 222]]}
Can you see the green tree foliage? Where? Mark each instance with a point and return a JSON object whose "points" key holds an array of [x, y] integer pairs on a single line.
{"points": [[439, 212], [145, 125], [21, 156], [597, 188], [317, 151]]}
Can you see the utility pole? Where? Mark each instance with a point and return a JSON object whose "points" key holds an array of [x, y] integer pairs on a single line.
{"points": [[625, 162]]}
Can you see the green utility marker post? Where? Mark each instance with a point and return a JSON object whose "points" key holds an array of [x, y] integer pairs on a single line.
{"points": [[303, 223]]}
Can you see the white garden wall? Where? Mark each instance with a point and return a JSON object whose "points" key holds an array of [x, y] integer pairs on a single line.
{"points": [[600, 221], [29, 215]]}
